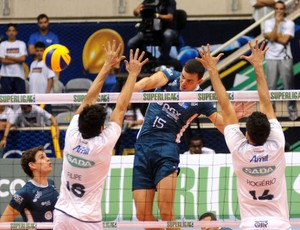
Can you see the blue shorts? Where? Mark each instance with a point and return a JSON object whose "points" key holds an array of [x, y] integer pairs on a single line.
{"points": [[153, 161]]}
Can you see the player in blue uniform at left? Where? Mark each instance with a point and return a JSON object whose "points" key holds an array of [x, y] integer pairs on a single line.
{"points": [[36, 199]]}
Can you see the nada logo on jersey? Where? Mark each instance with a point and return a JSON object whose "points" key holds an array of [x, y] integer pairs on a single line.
{"points": [[81, 150], [79, 162], [257, 159], [259, 171]]}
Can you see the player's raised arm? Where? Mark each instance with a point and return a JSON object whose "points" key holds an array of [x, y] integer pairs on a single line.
{"points": [[133, 67], [210, 63], [256, 59], [154, 81], [113, 57]]}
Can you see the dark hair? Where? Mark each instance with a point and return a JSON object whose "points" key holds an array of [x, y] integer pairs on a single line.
{"points": [[281, 2], [194, 66], [206, 214], [29, 156], [11, 24], [196, 138], [42, 16], [91, 119], [40, 45], [258, 128]]}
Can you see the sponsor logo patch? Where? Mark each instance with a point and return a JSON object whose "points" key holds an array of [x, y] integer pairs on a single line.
{"points": [[79, 162], [259, 171]]}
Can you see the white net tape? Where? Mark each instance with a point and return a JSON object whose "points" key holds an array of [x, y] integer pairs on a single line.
{"points": [[72, 98], [140, 224], [145, 97]]}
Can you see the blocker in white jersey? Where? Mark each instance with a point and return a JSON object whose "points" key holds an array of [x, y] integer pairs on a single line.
{"points": [[261, 179], [258, 157], [85, 166], [89, 146]]}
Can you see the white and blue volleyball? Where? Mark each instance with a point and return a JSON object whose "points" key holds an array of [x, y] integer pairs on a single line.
{"points": [[57, 57]]}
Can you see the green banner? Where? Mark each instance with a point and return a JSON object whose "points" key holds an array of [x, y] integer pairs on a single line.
{"points": [[205, 183]]}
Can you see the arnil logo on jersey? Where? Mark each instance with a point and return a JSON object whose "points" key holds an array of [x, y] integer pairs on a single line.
{"points": [[79, 162], [260, 158], [259, 171], [81, 150]]}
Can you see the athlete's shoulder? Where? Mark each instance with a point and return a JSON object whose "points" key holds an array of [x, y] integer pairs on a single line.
{"points": [[51, 182], [171, 73], [26, 189]]}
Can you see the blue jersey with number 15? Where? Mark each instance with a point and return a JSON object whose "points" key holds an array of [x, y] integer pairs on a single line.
{"points": [[167, 121]]}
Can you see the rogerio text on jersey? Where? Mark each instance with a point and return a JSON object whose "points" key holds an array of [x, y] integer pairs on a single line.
{"points": [[17, 98], [160, 96]]}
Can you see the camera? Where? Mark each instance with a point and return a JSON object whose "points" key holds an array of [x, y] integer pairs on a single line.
{"points": [[149, 23]]}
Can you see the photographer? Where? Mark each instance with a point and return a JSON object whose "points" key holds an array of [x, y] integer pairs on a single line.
{"points": [[158, 24]]}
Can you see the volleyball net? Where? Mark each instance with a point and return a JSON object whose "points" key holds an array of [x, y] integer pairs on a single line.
{"points": [[206, 183]]}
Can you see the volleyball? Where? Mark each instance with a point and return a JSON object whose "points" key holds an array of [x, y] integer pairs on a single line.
{"points": [[57, 57]]}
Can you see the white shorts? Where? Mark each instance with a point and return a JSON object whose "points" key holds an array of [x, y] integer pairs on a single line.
{"points": [[265, 223], [64, 222]]}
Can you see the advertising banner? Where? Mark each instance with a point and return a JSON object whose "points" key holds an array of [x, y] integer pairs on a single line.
{"points": [[205, 183]]}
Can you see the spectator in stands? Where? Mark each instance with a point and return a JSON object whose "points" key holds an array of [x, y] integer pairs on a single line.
{"points": [[261, 9], [6, 121], [133, 116], [34, 116], [209, 216], [43, 35], [155, 17], [13, 54], [36, 199], [197, 147], [40, 76], [279, 60]]}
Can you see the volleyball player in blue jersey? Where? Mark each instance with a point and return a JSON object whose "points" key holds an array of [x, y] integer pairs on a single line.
{"points": [[36, 199], [157, 154]]}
